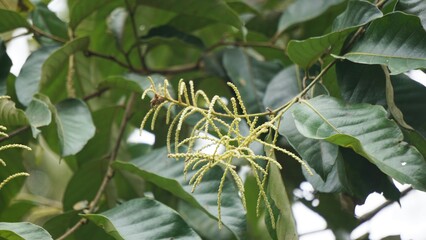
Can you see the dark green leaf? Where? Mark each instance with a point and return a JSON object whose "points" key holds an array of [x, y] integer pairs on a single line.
{"points": [[204, 225], [10, 115], [166, 33], [306, 52], [28, 81], [5, 65], [75, 125], [17, 211], [143, 219], [250, 75], [303, 10], [59, 58], [360, 83], [415, 7], [23, 230], [47, 21], [379, 139], [84, 183], [167, 174], [396, 40], [216, 10], [9, 20], [81, 9], [282, 88]]}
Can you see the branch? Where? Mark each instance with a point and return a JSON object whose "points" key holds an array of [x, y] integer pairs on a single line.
{"points": [[14, 133], [110, 171]]}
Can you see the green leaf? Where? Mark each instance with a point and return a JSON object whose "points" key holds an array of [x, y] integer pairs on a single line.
{"points": [[28, 81], [48, 22], [143, 219], [38, 115], [84, 183], [282, 88], [81, 9], [23, 230], [59, 58], [361, 83], [169, 34], [204, 225], [10, 20], [250, 76], [284, 220], [10, 115], [306, 52], [303, 10], [167, 174], [216, 10], [415, 7], [75, 125], [17, 211], [379, 139], [319, 154], [395, 40], [4, 68]]}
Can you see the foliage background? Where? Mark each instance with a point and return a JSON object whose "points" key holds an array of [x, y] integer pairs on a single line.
{"points": [[40, 195]]}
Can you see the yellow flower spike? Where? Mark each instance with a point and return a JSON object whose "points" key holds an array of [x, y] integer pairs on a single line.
{"points": [[156, 111], [20, 174], [2, 162], [145, 119], [8, 146], [223, 121], [240, 101], [192, 92]]}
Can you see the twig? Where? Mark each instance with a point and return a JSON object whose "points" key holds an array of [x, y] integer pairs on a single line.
{"points": [[14, 133], [96, 94], [110, 172], [131, 11]]}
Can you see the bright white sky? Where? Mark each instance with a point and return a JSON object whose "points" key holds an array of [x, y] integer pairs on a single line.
{"points": [[409, 220]]}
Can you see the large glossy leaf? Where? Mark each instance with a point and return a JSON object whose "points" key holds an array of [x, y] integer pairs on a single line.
{"points": [[23, 230], [415, 7], [59, 58], [10, 115], [396, 40], [10, 20], [143, 219], [361, 83], [75, 125], [306, 52], [167, 174], [250, 75], [366, 83], [216, 10], [366, 129], [303, 10], [81, 9], [28, 80]]}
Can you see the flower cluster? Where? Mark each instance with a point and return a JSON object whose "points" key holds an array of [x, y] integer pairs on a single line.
{"points": [[8, 146], [218, 126]]}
